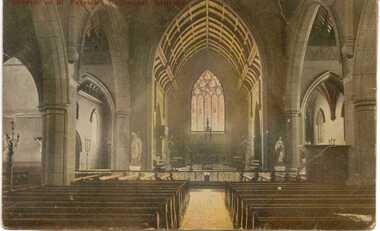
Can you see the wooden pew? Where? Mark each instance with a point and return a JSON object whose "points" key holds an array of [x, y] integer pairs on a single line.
{"points": [[253, 205], [143, 205], [36, 215], [268, 197]]}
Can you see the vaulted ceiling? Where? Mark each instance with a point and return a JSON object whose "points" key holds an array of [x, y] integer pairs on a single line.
{"points": [[211, 25]]}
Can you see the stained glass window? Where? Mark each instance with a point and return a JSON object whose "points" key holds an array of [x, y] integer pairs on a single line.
{"points": [[207, 104]]}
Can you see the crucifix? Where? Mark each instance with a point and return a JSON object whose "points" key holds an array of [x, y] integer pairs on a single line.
{"points": [[12, 141]]}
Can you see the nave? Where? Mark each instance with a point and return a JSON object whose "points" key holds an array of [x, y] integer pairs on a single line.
{"points": [[207, 210], [165, 204]]}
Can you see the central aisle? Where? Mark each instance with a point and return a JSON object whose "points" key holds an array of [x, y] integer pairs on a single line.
{"points": [[206, 210]]}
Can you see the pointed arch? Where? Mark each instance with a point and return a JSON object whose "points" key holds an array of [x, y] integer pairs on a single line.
{"points": [[211, 25], [308, 13], [18, 79]]}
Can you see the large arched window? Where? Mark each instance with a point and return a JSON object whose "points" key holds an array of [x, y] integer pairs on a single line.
{"points": [[207, 104], [320, 120]]}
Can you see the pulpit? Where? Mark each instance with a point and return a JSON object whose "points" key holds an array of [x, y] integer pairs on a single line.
{"points": [[326, 164]]}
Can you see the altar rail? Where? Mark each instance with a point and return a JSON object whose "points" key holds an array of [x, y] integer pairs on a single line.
{"points": [[193, 175]]}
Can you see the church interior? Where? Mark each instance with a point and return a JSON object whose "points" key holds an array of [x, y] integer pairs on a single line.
{"points": [[189, 114]]}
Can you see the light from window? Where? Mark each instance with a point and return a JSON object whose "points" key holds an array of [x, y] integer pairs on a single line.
{"points": [[321, 119], [207, 104]]}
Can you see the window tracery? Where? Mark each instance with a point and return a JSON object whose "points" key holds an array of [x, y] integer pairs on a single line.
{"points": [[207, 104]]}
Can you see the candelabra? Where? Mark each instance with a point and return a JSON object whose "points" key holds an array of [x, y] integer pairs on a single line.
{"points": [[332, 141], [12, 142]]}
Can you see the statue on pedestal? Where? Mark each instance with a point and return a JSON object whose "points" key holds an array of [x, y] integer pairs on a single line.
{"points": [[244, 149], [170, 148], [136, 150], [279, 149]]}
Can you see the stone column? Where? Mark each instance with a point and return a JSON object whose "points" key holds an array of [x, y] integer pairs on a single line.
{"points": [[57, 150], [292, 138], [71, 118], [58, 144], [365, 139], [364, 84], [349, 122], [121, 157]]}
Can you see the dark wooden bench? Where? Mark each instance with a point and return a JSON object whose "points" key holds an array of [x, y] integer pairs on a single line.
{"points": [[261, 205], [136, 205]]}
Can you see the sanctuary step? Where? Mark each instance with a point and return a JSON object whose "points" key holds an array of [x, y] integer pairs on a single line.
{"points": [[299, 206], [138, 205]]}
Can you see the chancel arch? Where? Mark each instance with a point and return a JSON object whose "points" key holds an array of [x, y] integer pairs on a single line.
{"points": [[211, 30]]}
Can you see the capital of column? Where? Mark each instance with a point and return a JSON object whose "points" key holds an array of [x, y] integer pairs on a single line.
{"points": [[292, 113], [74, 83], [122, 114], [55, 108], [365, 102], [73, 54], [348, 48], [347, 79], [348, 67]]}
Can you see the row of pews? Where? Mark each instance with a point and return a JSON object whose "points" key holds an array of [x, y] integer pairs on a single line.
{"points": [[131, 204], [300, 206]]}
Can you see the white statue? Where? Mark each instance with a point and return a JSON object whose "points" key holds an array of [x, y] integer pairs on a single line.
{"points": [[244, 148], [170, 147], [136, 150], [280, 150]]}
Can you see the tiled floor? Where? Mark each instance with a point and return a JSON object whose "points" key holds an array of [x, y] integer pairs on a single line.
{"points": [[206, 210]]}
